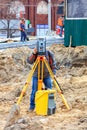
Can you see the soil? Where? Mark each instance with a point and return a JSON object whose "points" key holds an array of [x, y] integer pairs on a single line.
{"points": [[72, 77]]}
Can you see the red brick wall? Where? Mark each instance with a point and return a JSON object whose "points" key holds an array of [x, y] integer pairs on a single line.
{"points": [[43, 18], [37, 18], [4, 6]]}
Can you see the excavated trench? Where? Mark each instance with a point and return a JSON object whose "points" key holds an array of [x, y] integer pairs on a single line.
{"points": [[73, 80]]}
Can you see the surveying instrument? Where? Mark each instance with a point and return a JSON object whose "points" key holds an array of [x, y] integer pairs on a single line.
{"points": [[42, 96]]}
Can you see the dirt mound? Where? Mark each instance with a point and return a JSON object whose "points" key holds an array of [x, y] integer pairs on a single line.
{"points": [[71, 75]]}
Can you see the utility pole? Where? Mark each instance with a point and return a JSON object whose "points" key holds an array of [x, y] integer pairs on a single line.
{"points": [[49, 16]]}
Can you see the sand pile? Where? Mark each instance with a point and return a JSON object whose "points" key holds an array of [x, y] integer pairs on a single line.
{"points": [[71, 75]]}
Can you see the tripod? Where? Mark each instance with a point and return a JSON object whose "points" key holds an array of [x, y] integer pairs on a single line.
{"points": [[40, 62]]}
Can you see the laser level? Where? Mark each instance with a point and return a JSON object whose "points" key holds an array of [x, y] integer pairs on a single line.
{"points": [[40, 93], [41, 46], [44, 99]]}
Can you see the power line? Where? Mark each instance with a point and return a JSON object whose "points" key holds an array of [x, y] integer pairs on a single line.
{"points": [[53, 5]]}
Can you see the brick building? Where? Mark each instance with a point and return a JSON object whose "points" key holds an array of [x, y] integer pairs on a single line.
{"points": [[38, 16], [34, 10]]}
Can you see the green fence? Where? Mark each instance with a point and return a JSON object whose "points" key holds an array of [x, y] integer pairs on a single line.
{"points": [[78, 30]]}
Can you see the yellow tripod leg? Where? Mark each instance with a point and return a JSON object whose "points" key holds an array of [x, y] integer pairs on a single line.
{"points": [[57, 86], [27, 81], [40, 72], [39, 80]]}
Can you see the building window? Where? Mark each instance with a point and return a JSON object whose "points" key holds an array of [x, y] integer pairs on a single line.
{"points": [[42, 7], [60, 9], [17, 8]]}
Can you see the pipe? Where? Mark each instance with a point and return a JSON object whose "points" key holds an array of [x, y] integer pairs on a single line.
{"points": [[49, 16]]}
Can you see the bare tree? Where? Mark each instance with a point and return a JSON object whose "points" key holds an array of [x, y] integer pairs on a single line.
{"points": [[8, 12]]}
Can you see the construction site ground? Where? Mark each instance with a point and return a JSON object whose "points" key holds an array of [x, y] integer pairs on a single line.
{"points": [[72, 77]]}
